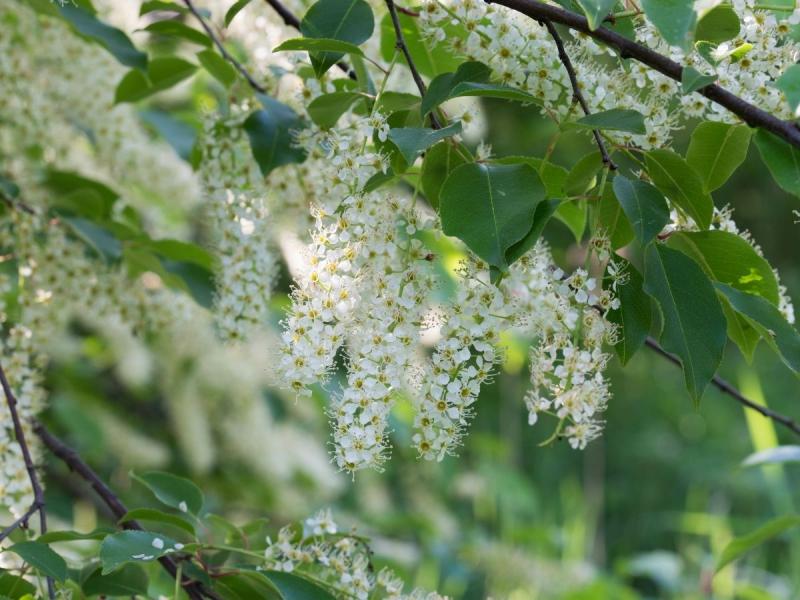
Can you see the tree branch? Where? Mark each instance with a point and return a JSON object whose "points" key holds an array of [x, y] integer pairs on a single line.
{"points": [[225, 54], [194, 589], [292, 21], [576, 90], [38, 493], [401, 45], [752, 115], [726, 388]]}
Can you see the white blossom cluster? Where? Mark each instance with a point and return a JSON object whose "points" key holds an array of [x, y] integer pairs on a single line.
{"points": [[341, 562]]}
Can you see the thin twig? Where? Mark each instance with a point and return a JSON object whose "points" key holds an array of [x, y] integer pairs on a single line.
{"points": [[195, 589], [401, 45], [38, 493], [225, 54], [576, 90], [750, 114], [726, 388], [292, 21]]}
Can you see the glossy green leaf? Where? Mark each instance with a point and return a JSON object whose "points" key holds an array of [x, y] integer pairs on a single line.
{"points": [[173, 491], [234, 10], [97, 237], [345, 20], [573, 213], [616, 119], [491, 90], [42, 558], [774, 328], [156, 516], [15, 587], [674, 19], [177, 29], [681, 184], [782, 160], [439, 161], [134, 547], [692, 80], [729, 259], [789, 84], [553, 176], [271, 132], [219, 68], [634, 315], [718, 25], [544, 211], [80, 195], [773, 456], [693, 325], [431, 57], [162, 73], [161, 5], [246, 585], [114, 40], [596, 11], [295, 587], [490, 207], [611, 220], [716, 151], [73, 536], [583, 175], [129, 580], [737, 547], [410, 141], [442, 85], [319, 45], [326, 109], [741, 330], [645, 207]]}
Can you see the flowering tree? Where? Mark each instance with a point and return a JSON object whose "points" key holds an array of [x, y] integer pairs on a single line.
{"points": [[342, 141]]}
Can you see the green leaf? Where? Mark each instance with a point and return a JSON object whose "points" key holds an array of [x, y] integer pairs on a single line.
{"points": [[692, 80], [612, 221], [42, 558], [553, 176], [180, 30], [173, 491], [492, 90], [616, 119], [716, 151], [80, 195], [775, 330], [97, 237], [644, 205], [344, 20], [14, 587], [246, 585], [674, 19], [114, 40], [134, 546], [729, 259], [294, 587], [326, 109], [219, 68], [773, 456], [596, 11], [789, 84], [8, 189], [634, 315], [740, 545], [693, 325], [718, 25], [161, 5], [782, 160], [583, 175], [156, 516], [544, 211], [439, 161], [490, 207], [130, 580], [234, 10], [271, 132], [431, 57], [162, 73], [442, 85], [410, 141], [73, 536], [319, 45], [740, 330], [681, 184], [573, 213]]}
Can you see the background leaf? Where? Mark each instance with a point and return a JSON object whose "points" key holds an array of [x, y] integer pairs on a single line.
{"points": [[738, 546], [271, 132]]}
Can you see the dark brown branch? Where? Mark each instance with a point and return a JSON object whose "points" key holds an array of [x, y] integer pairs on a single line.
{"points": [[38, 493], [576, 90], [401, 45], [195, 589], [292, 21], [726, 388], [752, 115], [225, 54]]}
